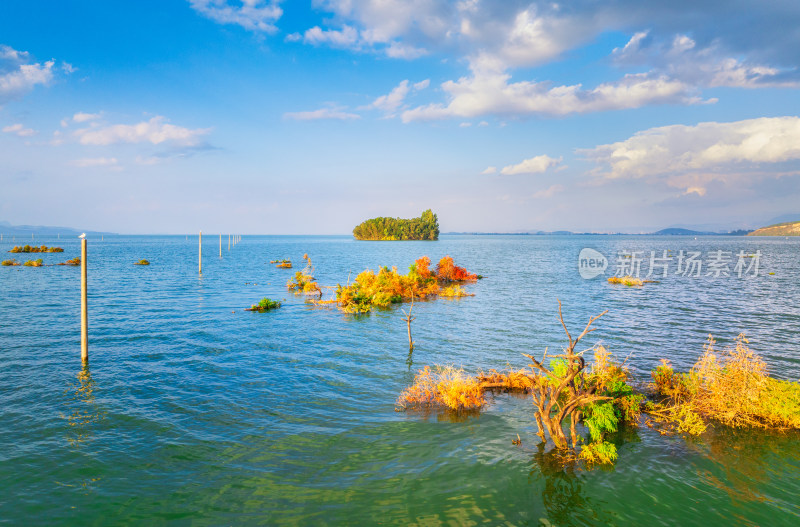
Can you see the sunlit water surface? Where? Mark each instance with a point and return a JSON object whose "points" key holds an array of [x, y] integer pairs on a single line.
{"points": [[195, 411]]}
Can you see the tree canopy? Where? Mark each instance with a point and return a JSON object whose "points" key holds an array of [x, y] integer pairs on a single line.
{"points": [[426, 227]]}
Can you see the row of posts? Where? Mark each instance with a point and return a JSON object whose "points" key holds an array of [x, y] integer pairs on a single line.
{"points": [[84, 287], [237, 238]]}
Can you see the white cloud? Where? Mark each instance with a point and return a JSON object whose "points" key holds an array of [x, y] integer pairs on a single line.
{"points": [[491, 92], [88, 162], [390, 102], [395, 99], [322, 113], [397, 50], [19, 129], [154, 131], [534, 165], [549, 192], [253, 15], [421, 85], [82, 117], [17, 77], [489, 171], [465, 124], [681, 58], [347, 37], [691, 155]]}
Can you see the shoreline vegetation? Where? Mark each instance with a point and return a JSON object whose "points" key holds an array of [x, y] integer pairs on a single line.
{"points": [[729, 388], [790, 228], [426, 227]]}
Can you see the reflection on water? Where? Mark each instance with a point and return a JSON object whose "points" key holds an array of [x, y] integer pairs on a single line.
{"points": [[744, 461], [564, 494], [85, 412]]}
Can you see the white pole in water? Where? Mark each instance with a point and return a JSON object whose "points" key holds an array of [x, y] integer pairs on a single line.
{"points": [[220, 246], [84, 307], [229, 242], [200, 260]]}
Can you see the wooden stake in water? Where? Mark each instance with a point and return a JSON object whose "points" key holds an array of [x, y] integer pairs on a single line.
{"points": [[229, 242], [408, 320], [220, 246], [84, 306], [200, 259]]}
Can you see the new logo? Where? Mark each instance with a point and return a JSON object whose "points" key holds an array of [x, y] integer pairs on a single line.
{"points": [[591, 263]]}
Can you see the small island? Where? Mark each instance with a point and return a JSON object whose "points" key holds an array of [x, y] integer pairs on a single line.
{"points": [[426, 227]]}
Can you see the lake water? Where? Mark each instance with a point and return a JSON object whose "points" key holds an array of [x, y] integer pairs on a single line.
{"points": [[193, 411]]}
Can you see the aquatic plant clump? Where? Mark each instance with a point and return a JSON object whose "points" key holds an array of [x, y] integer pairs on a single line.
{"points": [[303, 283], [387, 286], [74, 262], [142, 262], [264, 305], [626, 280], [9, 263], [447, 387], [34, 263], [563, 391], [34, 249], [731, 387], [282, 264]]}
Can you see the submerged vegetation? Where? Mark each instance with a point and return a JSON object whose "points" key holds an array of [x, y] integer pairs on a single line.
{"points": [[303, 281], [9, 263], [142, 262], [34, 263], [729, 388], [41, 249], [264, 305], [426, 227], [74, 262], [387, 286], [282, 264]]}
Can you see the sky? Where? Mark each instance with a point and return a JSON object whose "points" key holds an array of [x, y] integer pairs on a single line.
{"points": [[309, 116]]}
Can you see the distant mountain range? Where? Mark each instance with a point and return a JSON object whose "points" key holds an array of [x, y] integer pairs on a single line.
{"points": [[41, 230]]}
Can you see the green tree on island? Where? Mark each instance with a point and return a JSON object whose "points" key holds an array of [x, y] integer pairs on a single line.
{"points": [[426, 227]]}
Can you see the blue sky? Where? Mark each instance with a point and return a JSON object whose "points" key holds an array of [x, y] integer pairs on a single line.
{"points": [[309, 116]]}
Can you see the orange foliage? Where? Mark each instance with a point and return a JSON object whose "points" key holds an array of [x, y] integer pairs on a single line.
{"points": [[448, 271], [448, 387]]}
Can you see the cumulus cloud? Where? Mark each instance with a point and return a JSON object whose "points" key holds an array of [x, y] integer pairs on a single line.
{"points": [[155, 131], [492, 92], [18, 76], [689, 157], [705, 147], [322, 113], [89, 162], [681, 58], [19, 129], [346, 37], [489, 171], [82, 117], [395, 99], [253, 15], [534, 165], [664, 64]]}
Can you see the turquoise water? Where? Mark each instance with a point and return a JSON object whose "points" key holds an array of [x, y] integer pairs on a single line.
{"points": [[193, 411]]}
